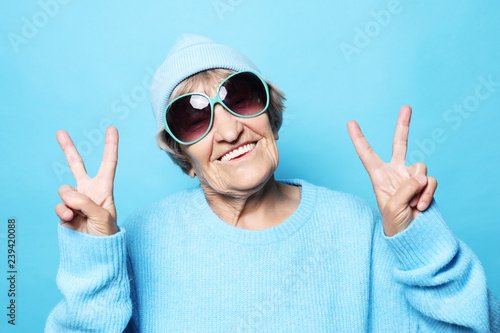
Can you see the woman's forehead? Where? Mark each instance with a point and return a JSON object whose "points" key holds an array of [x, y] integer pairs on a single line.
{"points": [[206, 85], [203, 82]]}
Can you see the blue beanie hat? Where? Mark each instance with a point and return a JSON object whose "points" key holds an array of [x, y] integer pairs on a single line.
{"points": [[189, 55]]}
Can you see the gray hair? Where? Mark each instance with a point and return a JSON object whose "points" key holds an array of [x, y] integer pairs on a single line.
{"points": [[172, 147]]}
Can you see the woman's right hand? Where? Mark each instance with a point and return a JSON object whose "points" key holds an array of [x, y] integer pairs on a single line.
{"points": [[89, 207]]}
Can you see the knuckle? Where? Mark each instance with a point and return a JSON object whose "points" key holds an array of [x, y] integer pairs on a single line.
{"points": [[422, 167]]}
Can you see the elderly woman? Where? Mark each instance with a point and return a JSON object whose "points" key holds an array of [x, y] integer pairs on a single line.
{"points": [[244, 252]]}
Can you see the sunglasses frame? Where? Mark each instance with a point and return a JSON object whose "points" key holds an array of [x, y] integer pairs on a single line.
{"points": [[213, 101]]}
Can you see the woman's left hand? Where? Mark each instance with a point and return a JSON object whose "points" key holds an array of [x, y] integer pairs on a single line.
{"points": [[402, 191]]}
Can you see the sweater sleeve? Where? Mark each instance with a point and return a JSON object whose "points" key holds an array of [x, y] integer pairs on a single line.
{"points": [[443, 280], [93, 280]]}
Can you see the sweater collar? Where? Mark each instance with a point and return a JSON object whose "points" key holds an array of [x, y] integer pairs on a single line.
{"points": [[263, 236]]}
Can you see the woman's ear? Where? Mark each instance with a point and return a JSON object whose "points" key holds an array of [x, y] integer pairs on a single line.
{"points": [[276, 136], [191, 173]]}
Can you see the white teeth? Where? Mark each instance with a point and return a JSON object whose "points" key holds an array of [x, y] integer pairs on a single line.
{"points": [[238, 152]]}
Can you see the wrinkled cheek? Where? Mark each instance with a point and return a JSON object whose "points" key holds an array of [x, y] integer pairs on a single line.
{"points": [[276, 157], [213, 179]]}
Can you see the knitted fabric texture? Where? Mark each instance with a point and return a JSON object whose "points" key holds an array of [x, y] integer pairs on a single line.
{"points": [[175, 266]]}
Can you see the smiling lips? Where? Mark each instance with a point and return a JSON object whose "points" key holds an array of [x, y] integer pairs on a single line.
{"points": [[238, 152]]}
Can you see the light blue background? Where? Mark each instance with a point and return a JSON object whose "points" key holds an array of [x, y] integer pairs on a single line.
{"points": [[73, 71]]}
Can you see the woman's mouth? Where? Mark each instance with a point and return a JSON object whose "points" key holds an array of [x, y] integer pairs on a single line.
{"points": [[239, 152]]}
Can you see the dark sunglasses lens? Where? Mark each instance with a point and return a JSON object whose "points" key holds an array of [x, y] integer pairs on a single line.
{"points": [[189, 117], [244, 94]]}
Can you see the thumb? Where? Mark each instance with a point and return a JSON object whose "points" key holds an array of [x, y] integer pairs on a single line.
{"points": [[83, 203], [408, 190]]}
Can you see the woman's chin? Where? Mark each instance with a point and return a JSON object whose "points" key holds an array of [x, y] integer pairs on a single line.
{"points": [[244, 184]]}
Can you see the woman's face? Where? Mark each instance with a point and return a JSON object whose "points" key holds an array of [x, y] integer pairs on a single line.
{"points": [[219, 162]]}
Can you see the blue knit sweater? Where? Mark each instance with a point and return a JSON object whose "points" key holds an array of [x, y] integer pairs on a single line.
{"points": [[174, 266]]}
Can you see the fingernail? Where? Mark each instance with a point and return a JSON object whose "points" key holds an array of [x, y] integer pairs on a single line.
{"points": [[69, 194], [421, 179], [421, 206]]}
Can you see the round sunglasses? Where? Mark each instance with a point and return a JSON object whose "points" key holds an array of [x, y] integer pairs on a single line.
{"points": [[189, 117]]}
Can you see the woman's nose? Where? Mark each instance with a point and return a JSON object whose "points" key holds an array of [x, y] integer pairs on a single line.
{"points": [[227, 127]]}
